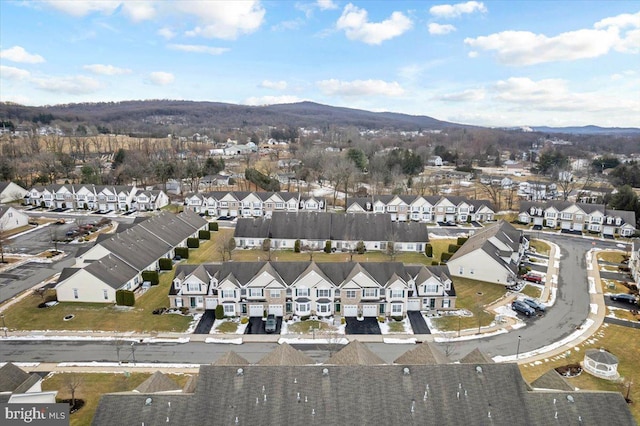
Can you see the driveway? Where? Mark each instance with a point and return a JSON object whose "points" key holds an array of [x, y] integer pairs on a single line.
{"points": [[256, 326], [418, 324], [368, 325], [206, 322], [620, 305], [621, 322]]}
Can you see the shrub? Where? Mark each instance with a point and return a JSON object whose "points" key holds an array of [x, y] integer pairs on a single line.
{"points": [[468, 219], [184, 310], [266, 244], [445, 256], [461, 240], [152, 276], [206, 213], [159, 311], [398, 318], [296, 246], [453, 248], [85, 206], [327, 246], [360, 248], [219, 312], [183, 252], [165, 264], [213, 226], [125, 298], [435, 263], [244, 320], [305, 318], [343, 321], [204, 235], [193, 243], [381, 319], [428, 250]]}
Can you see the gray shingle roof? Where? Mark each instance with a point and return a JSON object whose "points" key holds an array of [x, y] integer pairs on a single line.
{"points": [[355, 353], [476, 356], [284, 354], [425, 353], [601, 356], [449, 394], [112, 271], [158, 382], [552, 380], [231, 358], [11, 377]]}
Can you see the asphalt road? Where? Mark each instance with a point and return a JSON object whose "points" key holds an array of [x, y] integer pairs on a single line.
{"points": [[569, 312]]}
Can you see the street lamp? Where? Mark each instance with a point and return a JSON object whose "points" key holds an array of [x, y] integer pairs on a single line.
{"points": [[518, 350], [478, 294], [133, 352]]}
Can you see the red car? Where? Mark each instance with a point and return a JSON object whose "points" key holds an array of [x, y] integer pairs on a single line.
{"points": [[533, 278]]}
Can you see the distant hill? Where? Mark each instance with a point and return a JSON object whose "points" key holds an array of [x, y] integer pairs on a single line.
{"points": [[589, 130], [130, 114]]}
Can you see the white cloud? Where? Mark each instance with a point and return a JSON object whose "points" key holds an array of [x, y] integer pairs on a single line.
{"points": [[167, 33], [355, 22], [18, 54], [79, 8], [106, 69], [139, 10], [464, 96], [335, 87], [73, 85], [326, 4], [12, 73], [439, 29], [225, 19], [527, 48], [271, 100], [293, 24], [198, 48], [18, 99], [161, 78], [458, 9], [275, 85]]}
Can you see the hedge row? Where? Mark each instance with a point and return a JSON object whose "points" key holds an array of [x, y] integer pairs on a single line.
{"points": [[213, 226], [183, 252], [193, 242], [152, 276], [165, 264], [125, 298], [204, 235]]}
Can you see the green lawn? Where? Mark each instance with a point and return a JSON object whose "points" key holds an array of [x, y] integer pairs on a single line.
{"points": [[623, 342], [227, 327], [468, 298], [93, 385], [26, 315], [540, 246], [396, 326], [532, 291], [305, 327], [612, 256]]}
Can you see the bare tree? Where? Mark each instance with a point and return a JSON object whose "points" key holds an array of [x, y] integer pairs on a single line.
{"points": [[492, 190], [72, 382]]}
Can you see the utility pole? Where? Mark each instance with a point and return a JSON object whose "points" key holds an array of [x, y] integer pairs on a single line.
{"points": [[518, 349]]}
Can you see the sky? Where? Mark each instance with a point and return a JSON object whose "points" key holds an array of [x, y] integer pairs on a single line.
{"points": [[491, 63]]}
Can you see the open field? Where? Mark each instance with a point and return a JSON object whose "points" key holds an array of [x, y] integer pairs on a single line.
{"points": [[93, 385], [623, 342]]}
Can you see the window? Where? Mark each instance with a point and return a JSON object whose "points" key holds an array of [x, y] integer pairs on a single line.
{"points": [[461, 270], [274, 293], [228, 294], [105, 294], [75, 293], [430, 288], [350, 294], [446, 303], [229, 309], [397, 293], [193, 286], [324, 293], [396, 308], [255, 292], [302, 292], [324, 308], [370, 292], [303, 307]]}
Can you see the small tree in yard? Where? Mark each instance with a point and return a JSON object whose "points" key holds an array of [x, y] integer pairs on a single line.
{"points": [[219, 312], [360, 247], [428, 250], [296, 246], [392, 252], [327, 246], [72, 382]]}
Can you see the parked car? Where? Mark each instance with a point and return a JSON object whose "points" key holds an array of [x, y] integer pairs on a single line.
{"points": [[532, 278], [623, 297], [523, 308], [270, 326], [535, 304], [60, 222]]}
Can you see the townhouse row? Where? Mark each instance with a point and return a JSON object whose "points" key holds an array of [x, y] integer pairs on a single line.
{"points": [[118, 198], [251, 204], [578, 217], [309, 288], [404, 208]]}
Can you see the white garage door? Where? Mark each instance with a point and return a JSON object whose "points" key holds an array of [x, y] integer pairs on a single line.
{"points": [[211, 303], [370, 310], [256, 310], [277, 310], [577, 226], [350, 310], [413, 305]]}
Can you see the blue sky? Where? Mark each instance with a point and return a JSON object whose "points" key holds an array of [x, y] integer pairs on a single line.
{"points": [[503, 63]]}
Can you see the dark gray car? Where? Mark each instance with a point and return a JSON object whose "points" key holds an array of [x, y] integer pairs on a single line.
{"points": [[535, 304], [271, 324]]}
